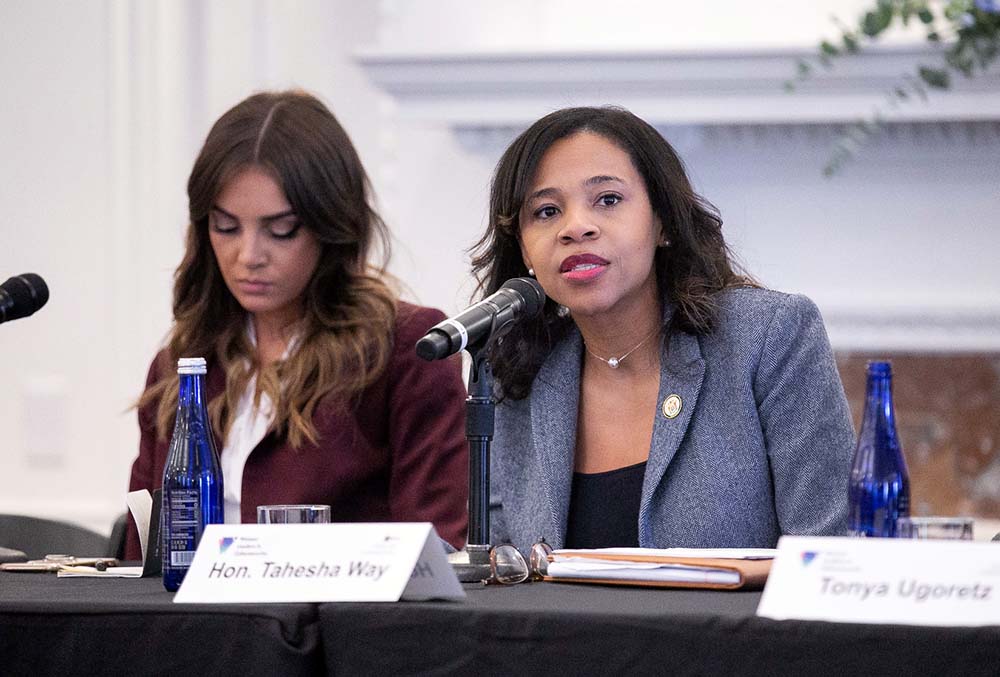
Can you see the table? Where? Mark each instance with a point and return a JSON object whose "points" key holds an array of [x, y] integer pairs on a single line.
{"points": [[117, 626], [106, 626], [570, 628]]}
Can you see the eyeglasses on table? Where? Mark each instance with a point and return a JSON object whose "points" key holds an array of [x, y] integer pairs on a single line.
{"points": [[509, 567]]}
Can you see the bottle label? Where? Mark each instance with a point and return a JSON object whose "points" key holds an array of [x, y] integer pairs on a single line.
{"points": [[183, 511], [181, 558]]}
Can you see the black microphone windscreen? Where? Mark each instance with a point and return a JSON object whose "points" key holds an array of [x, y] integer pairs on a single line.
{"points": [[531, 291], [21, 296], [432, 346]]}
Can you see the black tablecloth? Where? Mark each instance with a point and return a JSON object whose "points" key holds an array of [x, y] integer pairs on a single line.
{"points": [[577, 629], [91, 626], [127, 626]]}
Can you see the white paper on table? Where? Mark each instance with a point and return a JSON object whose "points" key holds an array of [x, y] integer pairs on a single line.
{"points": [[640, 571], [140, 504], [700, 553], [91, 572]]}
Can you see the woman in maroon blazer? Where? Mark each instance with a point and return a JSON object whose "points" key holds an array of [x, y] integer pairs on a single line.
{"points": [[315, 392]]}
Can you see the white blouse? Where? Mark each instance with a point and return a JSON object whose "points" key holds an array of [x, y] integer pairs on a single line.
{"points": [[250, 425]]}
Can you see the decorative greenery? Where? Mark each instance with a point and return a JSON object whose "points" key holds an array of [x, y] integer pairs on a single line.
{"points": [[968, 32]]}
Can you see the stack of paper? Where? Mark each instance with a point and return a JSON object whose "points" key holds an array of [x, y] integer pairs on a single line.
{"points": [[145, 509], [721, 568]]}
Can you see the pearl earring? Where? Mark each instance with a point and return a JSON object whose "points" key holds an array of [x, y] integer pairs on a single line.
{"points": [[531, 271]]}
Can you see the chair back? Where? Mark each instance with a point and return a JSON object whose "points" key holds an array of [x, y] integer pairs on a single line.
{"points": [[38, 537], [116, 542]]}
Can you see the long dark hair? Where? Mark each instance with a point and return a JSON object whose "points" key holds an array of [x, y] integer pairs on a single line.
{"points": [[695, 267], [345, 338]]}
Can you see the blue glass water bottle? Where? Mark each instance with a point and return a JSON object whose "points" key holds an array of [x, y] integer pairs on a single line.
{"points": [[879, 485], [192, 476]]}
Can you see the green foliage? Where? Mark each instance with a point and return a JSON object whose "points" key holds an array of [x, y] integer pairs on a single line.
{"points": [[935, 77], [874, 23], [968, 32]]}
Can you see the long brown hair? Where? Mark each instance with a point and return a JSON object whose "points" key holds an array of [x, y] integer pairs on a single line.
{"points": [[689, 272], [345, 336]]}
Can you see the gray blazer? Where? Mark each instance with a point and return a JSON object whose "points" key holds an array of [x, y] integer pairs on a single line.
{"points": [[761, 447]]}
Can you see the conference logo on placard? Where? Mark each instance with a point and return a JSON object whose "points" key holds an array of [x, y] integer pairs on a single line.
{"points": [[808, 557], [242, 546]]}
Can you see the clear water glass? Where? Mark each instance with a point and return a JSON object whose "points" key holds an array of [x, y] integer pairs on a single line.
{"points": [[935, 528], [293, 514]]}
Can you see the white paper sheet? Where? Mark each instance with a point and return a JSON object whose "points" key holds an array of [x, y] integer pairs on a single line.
{"points": [[708, 553]]}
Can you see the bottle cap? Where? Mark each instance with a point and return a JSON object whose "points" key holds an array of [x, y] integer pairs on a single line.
{"points": [[880, 368], [191, 365]]}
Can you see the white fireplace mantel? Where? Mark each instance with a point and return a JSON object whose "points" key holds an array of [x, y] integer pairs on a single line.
{"points": [[669, 88]]}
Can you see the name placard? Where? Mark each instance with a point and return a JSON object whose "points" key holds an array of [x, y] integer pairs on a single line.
{"points": [[884, 580], [366, 562]]}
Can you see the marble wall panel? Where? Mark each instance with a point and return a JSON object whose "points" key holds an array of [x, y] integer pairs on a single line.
{"points": [[948, 418]]}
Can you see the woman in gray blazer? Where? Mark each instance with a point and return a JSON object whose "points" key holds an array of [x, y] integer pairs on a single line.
{"points": [[661, 398]]}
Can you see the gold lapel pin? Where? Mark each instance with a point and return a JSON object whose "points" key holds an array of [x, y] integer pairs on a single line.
{"points": [[672, 406]]}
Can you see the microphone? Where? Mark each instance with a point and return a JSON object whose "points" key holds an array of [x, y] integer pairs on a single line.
{"points": [[519, 298], [21, 296]]}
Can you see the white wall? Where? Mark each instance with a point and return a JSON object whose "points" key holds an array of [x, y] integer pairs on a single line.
{"points": [[588, 25], [105, 106], [58, 418], [106, 103]]}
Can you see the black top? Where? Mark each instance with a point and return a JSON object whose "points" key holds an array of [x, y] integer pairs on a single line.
{"points": [[604, 508]]}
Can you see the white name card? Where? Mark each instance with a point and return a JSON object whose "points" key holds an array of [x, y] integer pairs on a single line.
{"points": [[884, 580], [367, 562]]}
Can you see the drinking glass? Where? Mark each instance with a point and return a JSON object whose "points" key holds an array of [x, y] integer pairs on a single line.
{"points": [[293, 514], [937, 528]]}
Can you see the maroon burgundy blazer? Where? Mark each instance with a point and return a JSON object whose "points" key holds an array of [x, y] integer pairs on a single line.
{"points": [[399, 455]]}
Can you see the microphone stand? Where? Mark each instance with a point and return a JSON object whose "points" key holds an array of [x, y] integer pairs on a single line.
{"points": [[472, 564]]}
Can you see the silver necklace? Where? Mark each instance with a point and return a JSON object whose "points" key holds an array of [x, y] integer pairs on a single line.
{"points": [[613, 362]]}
